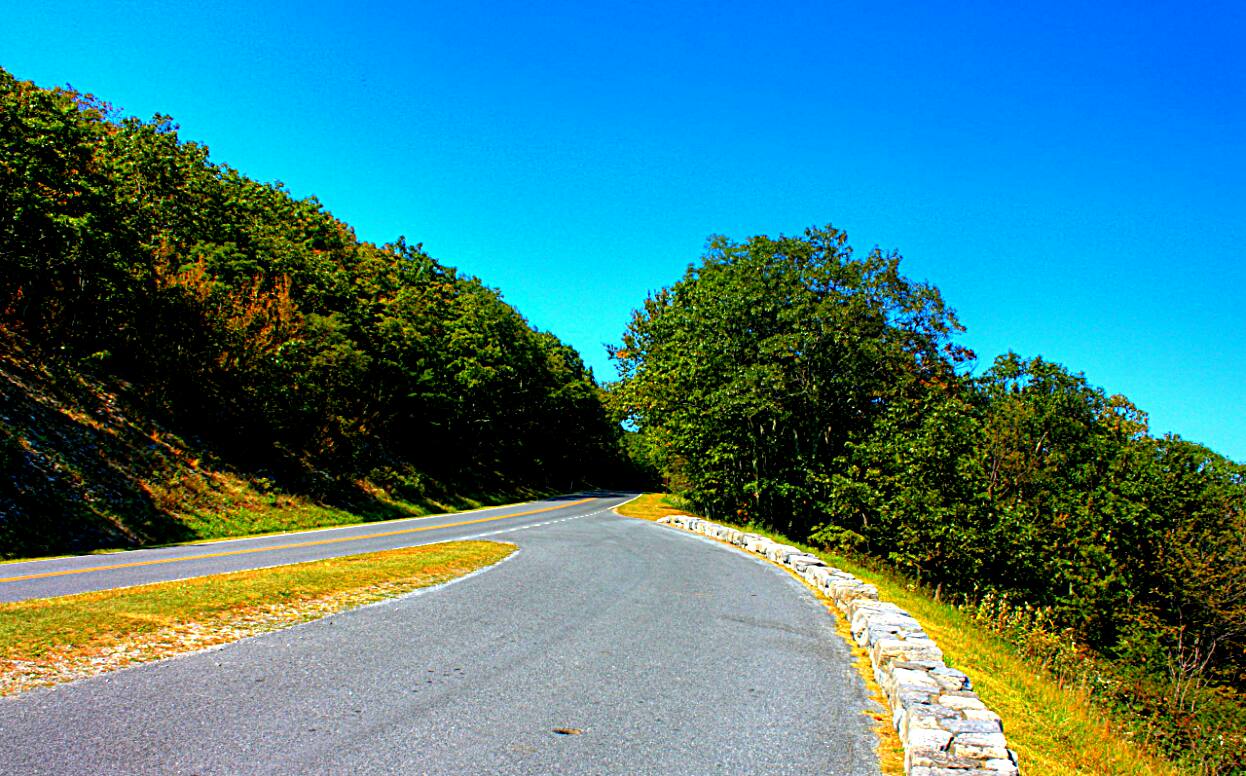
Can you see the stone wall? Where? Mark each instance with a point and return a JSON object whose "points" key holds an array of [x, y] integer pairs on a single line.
{"points": [[945, 727]]}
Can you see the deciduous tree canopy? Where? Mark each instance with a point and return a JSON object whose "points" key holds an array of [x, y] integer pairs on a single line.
{"points": [[260, 323], [788, 383]]}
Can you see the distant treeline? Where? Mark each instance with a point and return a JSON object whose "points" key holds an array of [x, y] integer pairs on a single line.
{"points": [[259, 323], [795, 384]]}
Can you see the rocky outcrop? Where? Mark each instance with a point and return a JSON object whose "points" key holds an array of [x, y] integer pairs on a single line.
{"points": [[945, 727]]}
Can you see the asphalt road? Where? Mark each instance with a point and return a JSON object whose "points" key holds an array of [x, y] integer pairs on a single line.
{"points": [[79, 574], [670, 654]]}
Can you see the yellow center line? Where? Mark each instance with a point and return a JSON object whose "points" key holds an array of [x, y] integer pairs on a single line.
{"points": [[291, 545]]}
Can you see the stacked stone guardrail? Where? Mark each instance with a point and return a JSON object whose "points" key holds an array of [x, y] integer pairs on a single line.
{"points": [[945, 727]]}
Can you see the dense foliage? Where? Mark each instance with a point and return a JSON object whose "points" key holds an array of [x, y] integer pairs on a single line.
{"points": [[259, 323], [790, 383], [761, 364]]}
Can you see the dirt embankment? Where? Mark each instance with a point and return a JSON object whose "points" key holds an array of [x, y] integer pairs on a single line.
{"points": [[83, 467]]}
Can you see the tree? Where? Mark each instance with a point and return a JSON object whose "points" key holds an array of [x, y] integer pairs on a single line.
{"points": [[259, 324], [749, 376]]}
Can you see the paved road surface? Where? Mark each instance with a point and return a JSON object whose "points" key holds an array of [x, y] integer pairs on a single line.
{"points": [[671, 654], [64, 576]]}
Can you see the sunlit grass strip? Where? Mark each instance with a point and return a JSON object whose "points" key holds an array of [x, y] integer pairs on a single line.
{"points": [[1056, 731], [52, 640], [650, 506]]}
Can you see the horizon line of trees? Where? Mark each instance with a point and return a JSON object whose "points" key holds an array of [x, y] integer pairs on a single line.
{"points": [[792, 383], [260, 324]]}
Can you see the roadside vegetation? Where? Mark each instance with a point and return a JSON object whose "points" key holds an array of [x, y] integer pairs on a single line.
{"points": [[793, 384], [107, 475], [47, 641], [186, 352], [1052, 721]]}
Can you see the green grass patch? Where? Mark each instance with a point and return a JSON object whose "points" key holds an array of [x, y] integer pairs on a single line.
{"points": [[276, 519], [49, 640], [1056, 730], [240, 507]]}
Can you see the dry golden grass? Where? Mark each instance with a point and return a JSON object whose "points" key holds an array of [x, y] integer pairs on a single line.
{"points": [[650, 506], [52, 640], [1056, 731], [890, 749]]}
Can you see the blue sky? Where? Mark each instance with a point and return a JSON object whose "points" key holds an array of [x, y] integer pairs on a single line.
{"points": [[1071, 175]]}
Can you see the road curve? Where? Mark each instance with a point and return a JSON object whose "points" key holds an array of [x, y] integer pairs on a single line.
{"points": [[670, 655], [83, 573]]}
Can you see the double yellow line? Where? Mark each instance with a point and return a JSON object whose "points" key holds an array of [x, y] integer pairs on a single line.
{"points": [[291, 545]]}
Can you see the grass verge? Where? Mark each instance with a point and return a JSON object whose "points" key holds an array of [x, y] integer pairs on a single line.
{"points": [[234, 506], [651, 506], [1055, 730], [52, 640]]}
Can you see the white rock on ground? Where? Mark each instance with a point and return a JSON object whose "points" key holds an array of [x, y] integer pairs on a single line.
{"points": [[945, 727]]}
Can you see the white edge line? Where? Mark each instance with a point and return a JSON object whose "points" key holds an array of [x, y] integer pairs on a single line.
{"points": [[273, 535], [759, 559], [470, 537], [106, 675]]}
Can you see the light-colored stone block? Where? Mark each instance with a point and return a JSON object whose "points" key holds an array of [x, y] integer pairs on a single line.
{"points": [[946, 728], [961, 701], [928, 738], [982, 714], [980, 746], [972, 725]]}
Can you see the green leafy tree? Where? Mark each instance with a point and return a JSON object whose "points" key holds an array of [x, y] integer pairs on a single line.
{"points": [[750, 376], [258, 323]]}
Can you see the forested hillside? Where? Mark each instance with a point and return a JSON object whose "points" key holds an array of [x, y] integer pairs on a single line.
{"points": [[797, 385], [258, 330]]}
